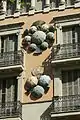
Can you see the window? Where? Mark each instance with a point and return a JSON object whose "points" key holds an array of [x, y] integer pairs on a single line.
{"points": [[11, 7], [54, 3], [71, 34], [8, 49], [25, 5], [70, 86], [8, 90], [70, 42], [69, 2], [71, 82], [9, 43], [39, 4]]}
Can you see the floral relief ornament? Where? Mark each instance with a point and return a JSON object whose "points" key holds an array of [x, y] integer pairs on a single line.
{"points": [[38, 83], [38, 37]]}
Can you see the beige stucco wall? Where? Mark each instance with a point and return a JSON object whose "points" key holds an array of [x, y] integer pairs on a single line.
{"points": [[47, 17], [33, 61]]}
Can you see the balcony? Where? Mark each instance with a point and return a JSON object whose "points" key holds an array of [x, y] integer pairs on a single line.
{"points": [[66, 52], [11, 59], [66, 103], [10, 110], [63, 107]]}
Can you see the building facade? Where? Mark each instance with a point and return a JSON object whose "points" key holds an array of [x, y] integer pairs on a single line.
{"points": [[60, 61]]}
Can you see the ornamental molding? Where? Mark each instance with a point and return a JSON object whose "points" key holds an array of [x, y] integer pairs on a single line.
{"points": [[8, 27], [66, 18], [38, 38]]}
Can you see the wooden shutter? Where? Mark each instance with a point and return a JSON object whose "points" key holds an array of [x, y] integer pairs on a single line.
{"points": [[67, 40], [78, 34], [70, 86], [0, 92], [79, 82], [71, 82], [6, 45], [11, 42], [67, 35], [8, 90], [15, 39], [64, 83], [12, 90]]}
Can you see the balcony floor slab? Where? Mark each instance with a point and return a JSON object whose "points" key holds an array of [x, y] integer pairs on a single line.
{"points": [[65, 114], [65, 60]]}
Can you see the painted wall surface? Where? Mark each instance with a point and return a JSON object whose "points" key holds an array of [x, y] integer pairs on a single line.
{"points": [[34, 111], [47, 17], [33, 61]]}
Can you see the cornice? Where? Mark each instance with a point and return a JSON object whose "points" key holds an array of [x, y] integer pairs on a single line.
{"points": [[66, 18], [11, 26]]}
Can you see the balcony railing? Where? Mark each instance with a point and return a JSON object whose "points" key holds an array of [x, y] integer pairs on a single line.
{"points": [[10, 109], [11, 58], [66, 51], [62, 104]]}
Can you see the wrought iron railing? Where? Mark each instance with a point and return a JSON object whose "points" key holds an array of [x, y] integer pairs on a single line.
{"points": [[66, 104], [11, 109], [66, 51], [62, 104], [11, 58]]}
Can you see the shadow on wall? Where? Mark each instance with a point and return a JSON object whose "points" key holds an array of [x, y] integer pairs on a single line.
{"points": [[47, 66], [46, 113], [51, 22]]}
